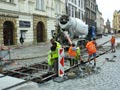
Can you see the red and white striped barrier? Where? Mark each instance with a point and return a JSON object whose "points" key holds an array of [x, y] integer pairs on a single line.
{"points": [[61, 62]]}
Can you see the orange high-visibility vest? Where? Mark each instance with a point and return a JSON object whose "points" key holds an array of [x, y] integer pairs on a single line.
{"points": [[113, 40], [72, 52], [91, 47]]}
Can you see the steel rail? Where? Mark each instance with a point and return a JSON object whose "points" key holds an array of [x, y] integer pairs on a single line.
{"points": [[10, 87]]}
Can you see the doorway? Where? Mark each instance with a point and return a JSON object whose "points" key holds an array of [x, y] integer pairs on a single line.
{"points": [[8, 28], [40, 32]]}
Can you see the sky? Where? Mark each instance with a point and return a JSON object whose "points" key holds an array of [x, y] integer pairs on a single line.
{"points": [[107, 8]]}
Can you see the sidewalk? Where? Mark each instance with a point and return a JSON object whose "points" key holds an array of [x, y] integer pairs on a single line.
{"points": [[26, 52]]}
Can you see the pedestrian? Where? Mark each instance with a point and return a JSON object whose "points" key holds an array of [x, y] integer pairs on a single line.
{"points": [[21, 39], [91, 48], [113, 44], [78, 57], [72, 53], [53, 59]]}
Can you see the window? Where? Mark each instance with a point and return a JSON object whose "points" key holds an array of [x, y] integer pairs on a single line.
{"points": [[79, 3], [72, 11], [69, 13], [2, 0], [57, 7], [11, 1], [75, 2], [82, 4], [40, 4], [76, 12], [79, 14]]}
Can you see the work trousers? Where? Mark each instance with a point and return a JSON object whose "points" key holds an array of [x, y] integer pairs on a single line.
{"points": [[56, 65], [50, 68], [72, 61]]}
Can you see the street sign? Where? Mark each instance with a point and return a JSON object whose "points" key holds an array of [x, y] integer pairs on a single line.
{"points": [[61, 62]]}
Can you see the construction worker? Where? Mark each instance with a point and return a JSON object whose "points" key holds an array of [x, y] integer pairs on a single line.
{"points": [[53, 59], [113, 44], [91, 48], [78, 57], [53, 43], [72, 53], [50, 61]]}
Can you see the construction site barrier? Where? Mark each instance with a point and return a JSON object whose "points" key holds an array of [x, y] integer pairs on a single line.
{"points": [[3, 57]]}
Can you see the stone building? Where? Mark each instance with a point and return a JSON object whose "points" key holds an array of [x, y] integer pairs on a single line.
{"points": [[54, 9], [99, 22], [90, 12], [116, 21], [75, 8], [108, 25], [8, 22], [31, 19]]}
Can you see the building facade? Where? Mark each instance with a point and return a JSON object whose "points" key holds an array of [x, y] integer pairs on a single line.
{"points": [[55, 8], [90, 12], [75, 8], [31, 19], [108, 25], [99, 22], [8, 22], [102, 24], [116, 21], [16, 21], [25, 20]]}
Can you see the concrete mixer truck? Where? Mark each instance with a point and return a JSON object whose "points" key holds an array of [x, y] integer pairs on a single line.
{"points": [[70, 29]]}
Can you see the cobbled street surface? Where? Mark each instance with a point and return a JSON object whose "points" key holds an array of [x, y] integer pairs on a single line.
{"points": [[107, 79]]}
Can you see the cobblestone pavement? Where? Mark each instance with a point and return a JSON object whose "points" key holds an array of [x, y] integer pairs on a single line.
{"points": [[107, 79]]}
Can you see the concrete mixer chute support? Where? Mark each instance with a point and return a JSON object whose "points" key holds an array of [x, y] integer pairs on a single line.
{"points": [[74, 26]]}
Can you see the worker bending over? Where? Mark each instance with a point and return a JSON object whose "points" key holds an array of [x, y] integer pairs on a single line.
{"points": [[53, 59], [91, 48], [53, 55], [72, 53]]}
